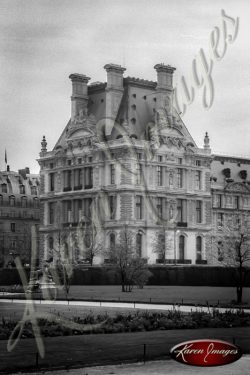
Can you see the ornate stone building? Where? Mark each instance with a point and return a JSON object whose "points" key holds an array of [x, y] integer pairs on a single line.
{"points": [[127, 159], [230, 189], [19, 211]]}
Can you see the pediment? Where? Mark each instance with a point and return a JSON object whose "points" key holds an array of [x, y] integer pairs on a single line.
{"points": [[237, 186], [81, 133]]}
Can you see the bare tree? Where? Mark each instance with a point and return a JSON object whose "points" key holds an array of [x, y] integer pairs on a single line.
{"points": [[87, 240], [232, 249], [131, 267]]}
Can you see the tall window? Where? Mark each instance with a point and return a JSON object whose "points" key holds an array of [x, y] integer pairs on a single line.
{"points": [[51, 213], [181, 210], [112, 206], [51, 181], [181, 247], [13, 227], [237, 202], [88, 178], [77, 179], [112, 241], [179, 178], [138, 174], [198, 211], [51, 243], [1, 200], [139, 207], [87, 207], [12, 201], [159, 207], [67, 211], [197, 180], [159, 175], [112, 174], [24, 202], [220, 220], [67, 181], [219, 197], [139, 244], [198, 248], [36, 202], [21, 189], [4, 188]]}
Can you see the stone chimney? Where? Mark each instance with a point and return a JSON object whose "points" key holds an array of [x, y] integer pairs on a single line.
{"points": [[164, 77], [164, 89], [114, 93], [79, 98]]}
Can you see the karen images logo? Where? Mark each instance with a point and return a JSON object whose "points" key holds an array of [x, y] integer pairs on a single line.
{"points": [[205, 353]]}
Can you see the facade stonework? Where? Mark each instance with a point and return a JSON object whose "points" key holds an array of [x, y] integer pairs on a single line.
{"points": [[126, 158]]}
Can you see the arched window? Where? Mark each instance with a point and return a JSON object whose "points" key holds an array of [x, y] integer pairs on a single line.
{"points": [[181, 247], [139, 244], [51, 243], [24, 202], [198, 248], [12, 200], [112, 241]]}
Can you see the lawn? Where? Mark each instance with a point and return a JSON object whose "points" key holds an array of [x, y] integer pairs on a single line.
{"points": [[158, 294], [90, 350]]}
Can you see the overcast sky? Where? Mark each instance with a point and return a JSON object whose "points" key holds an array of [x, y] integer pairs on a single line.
{"points": [[42, 42]]}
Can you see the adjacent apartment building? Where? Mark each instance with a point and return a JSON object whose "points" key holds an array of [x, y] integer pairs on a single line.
{"points": [[126, 159], [19, 211]]}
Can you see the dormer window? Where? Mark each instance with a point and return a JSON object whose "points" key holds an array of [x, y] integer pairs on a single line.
{"points": [[4, 188], [12, 201], [33, 190], [22, 189]]}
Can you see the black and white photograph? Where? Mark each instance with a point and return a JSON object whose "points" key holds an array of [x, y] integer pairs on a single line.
{"points": [[124, 187]]}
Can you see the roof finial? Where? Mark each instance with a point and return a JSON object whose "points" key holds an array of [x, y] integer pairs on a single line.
{"points": [[44, 145]]}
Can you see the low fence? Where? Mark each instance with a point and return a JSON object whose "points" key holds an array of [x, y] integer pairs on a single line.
{"points": [[161, 275]]}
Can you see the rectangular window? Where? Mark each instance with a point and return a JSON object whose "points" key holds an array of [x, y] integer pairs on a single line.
{"points": [[87, 207], [138, 174], [112, 207], [33, 190], [51, 182], [88, 178], [139, 156], [67, 180], [220, 220], [112, 174], [159, 158], [198, 211], [198, 163], [77, 179], [13, 227], [179, 160], [237, 202], [219, 196], [159, 175], [197, 180], [181, 210], [21, 189], [159, 207], [179, 178], [139, 207], [79, 160], [51, 213]]}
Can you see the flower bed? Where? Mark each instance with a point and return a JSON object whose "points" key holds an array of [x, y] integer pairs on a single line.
{"points": [[57, 325]]}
